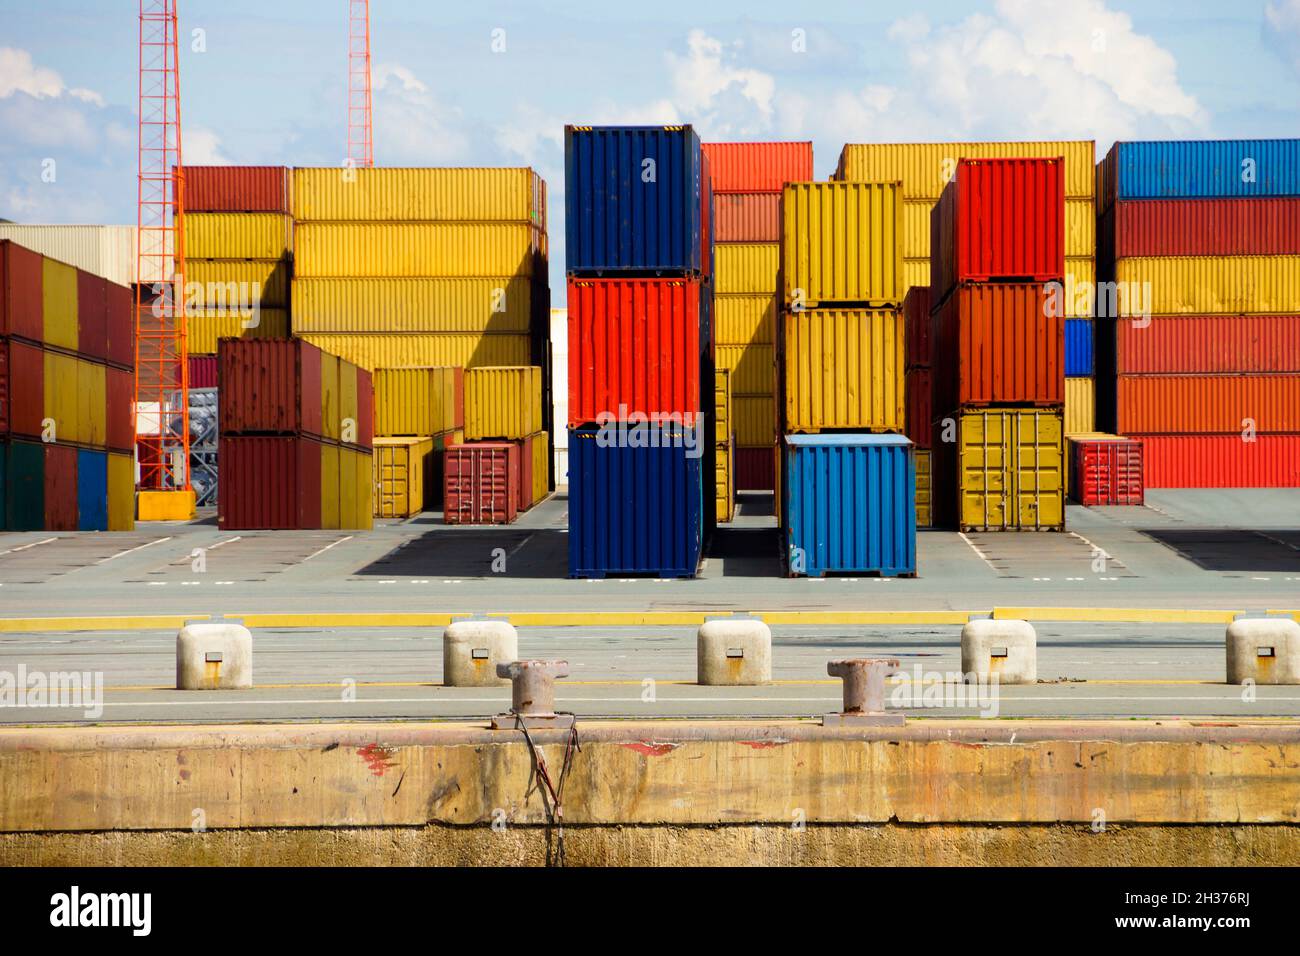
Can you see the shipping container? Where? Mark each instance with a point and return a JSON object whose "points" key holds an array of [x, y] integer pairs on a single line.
{"points": [[234, 235], [108, 251], [849, 505], [1200, 169], [1221, 461], [758, 167], [5, 395], [61, 490], [1080, 228], [92, 316], [121, 491], [415, 350], [203, 371], [752, 368], [1194, 404], [756, 468], [493, 304], [272, 386], [270, 482], [540, 473], [502, 402], [419, 401], [76, 400], [926, 168], [998, 344], [481, 483], [745, 319], [1079, 291], [1078, 347], [119, 412], [120, 317], [746, 268], [916, 328], [26, 388], [999, 220], [843, 369], [92, 490], [1209, 344], [1200, 227], [403, 468], [59, 308], [231, 284], [842, 243], [636, 343], [919, 401], [204, 329], [635, 508], [397, 249], [924, 490], [1206, 285], [240, 189], [1080, 406], [1106, 470], [723, 424], [754, 418], [725, 482], [396, 194], [25, 486], [21, 294], [746, 217]]}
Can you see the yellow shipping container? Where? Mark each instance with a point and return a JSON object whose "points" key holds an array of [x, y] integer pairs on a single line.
{"points": [[1209, 285], [746, 268], [1011, 469], [356, 500], [234, 283], [59, 304], [722, 405], [752, 368], [75, 399], [1080, 406], [924, 489], [121, 492], [204, 328], [350, 405], [410, 349], [744, 319], [1080, 287], [925, 168], [330, 493], [915, 272], [842, 243], [395, 194], [725, 481], [843, 369], [503, 402], [418, 401], [755, 420], [330, 399], [541, 446], [238, 235], [496, 304], [1080, 228], [366, 249], [92, 404]]}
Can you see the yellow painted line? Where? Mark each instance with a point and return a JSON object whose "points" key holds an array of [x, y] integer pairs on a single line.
{"points": [[1128, 615], [1294, 615], [139, 622]]}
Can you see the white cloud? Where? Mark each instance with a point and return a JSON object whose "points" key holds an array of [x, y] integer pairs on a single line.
{"points": [[535, 137], [18, 74], [701, 76], [202, 147], [411, 125], [1282, 29]]}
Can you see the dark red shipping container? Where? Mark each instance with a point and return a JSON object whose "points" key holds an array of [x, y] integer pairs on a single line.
{"points": [[747, 217], [1208, 344], [919, 398], [268, 482], [237, 188], [203, 371], [366, 407], [119, 388], [758, 167], [1200, 227], [635, 344], [26, 388], [119, 307], [1221, 461], [1208, 404], [997, 344], [60, 487], [92, 316], [22, 309], [269, 386], [525, 473], [916, 327], [1106, 472], [999, 219], [756, 469], [481, 483]]}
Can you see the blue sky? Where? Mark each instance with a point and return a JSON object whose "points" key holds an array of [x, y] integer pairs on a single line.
{"points": [[271, 85]]}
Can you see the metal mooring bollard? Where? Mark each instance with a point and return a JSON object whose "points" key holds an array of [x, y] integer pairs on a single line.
{"points": [[532, 695], [864, 693]]}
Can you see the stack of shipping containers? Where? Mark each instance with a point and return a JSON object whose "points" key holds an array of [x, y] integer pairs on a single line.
{"points": [[747, 180], [67, 351], [847, 482], [296, 437], [418, 413], [998, 338], [1199, 357], [918, 395], [641, 373], [724, 448]]}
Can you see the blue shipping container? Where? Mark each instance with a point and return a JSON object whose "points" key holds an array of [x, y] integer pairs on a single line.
{"points": [[634, 200], [92, 490], [849, 504], [1203, 169], [1078, 347], [636, 510]]}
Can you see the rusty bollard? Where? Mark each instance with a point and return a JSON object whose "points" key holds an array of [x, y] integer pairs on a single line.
{"points": [[864, 693], [532, 695]]}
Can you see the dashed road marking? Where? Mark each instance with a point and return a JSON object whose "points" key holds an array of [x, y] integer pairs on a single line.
{"points": [[979, 551], [30, 544], [326, 548], [147, 544]]}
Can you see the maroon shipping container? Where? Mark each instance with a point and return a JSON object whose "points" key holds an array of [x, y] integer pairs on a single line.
{"points": [[999, 219], [22, 308], [525, 473], [92, 316], [747, 217], [758, 167], [756, 469], [481, 483], [60, 487], [1200, 227], [1106, 472], [25, 387], [1221, 461], [919, 398], [203, 371], [916, 327], [119, 307], [269, 386], [998, 344], [1208, 343], [237, 188], [119, 388], [1208, 404], [268, 482], [366, 408], [635, 344]]}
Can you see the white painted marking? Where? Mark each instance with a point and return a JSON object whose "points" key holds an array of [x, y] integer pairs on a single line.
{"points": [[30, 544], [156, 584], [324, 549], [391, 581], [147, 544], [982, 556]]}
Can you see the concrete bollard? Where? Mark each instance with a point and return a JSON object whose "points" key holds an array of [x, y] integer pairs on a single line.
{"points": [[734, 652], [532, 695], [214, 656], [471, 651], [1005, 649], [864, 693], [1265, 650]]}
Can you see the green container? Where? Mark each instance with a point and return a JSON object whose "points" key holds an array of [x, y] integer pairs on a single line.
{"points": [[4, 478], [25, 486]]}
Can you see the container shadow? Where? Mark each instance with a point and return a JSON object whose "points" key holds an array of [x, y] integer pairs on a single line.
{"points": [[479, 552], [747, 552], [1234, 550]]}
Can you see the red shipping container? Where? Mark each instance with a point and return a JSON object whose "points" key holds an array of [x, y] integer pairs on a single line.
{"points": [[916, 327], [635, 344], [25, 388], [999, 219], [1200, 227], [747, 217], [919, 399], [1208, 404], [119, 388], [119, 307], [1106, 471], [1208, 343], [269, 386], [1221, 461], [22, 284], [756, 469], [268, 482], [525, 473], [92, 316], [997, 344], [481, 483], [366, 408], [203, 371], [758, 167], [60, 487], [237, 188]]}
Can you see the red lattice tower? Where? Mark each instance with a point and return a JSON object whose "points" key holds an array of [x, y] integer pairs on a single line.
{"points": [[361, 151], [161, 361]]}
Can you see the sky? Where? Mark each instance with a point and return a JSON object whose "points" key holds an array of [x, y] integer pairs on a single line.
{"points": [[493, 83]]}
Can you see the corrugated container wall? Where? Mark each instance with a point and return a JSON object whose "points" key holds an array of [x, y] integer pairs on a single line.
{"points": [[396, 194], [378, 250], [1200, 227], [1106, 470], [417, 304], [403, 468], [746, 217], [419, 401], [1207, 285], [758, 167], [1200, 169], [107, 251], [229, 235], [412, 349], [842, 243], [269, 386], [503, 403], [925, 168], [1078, 347], [1189, 404], [916, 327], [237, 189], [481, 483], [843, 369], [1215, 344], [1221, 461]]}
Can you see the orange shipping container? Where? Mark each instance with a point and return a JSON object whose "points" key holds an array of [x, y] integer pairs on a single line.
{"points": [[747, 217], [758, 167], [1205, 404]]}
